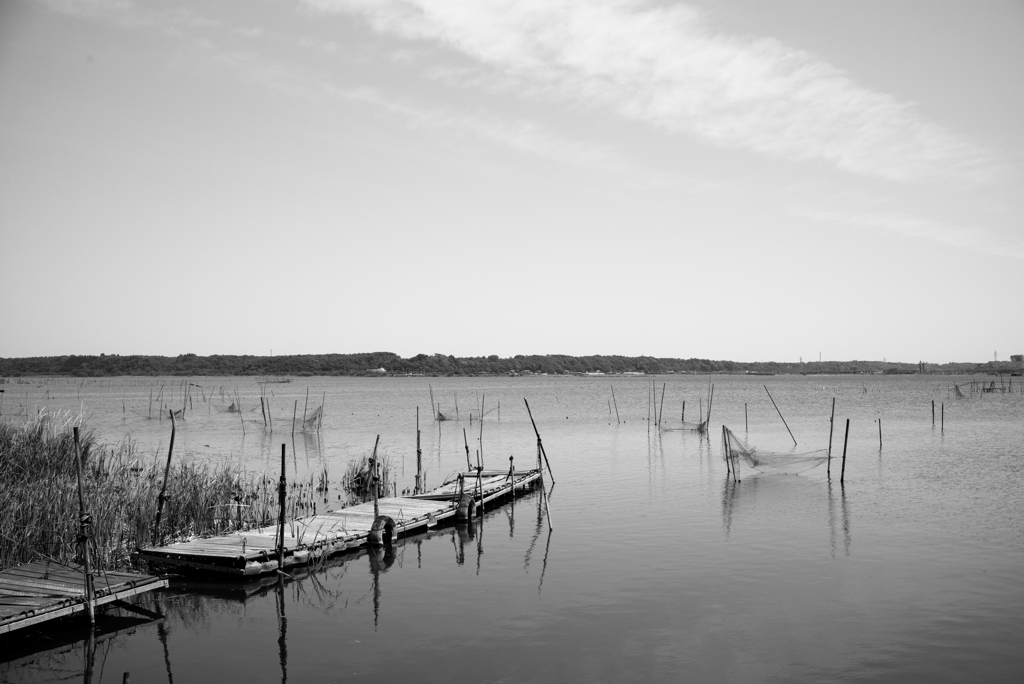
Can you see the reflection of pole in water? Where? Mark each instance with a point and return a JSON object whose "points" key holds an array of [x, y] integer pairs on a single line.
{"points": [[282, 626], [728, 500], [544, 564], [846, 521], [90, 655], [380, 559], [161, 632], [831, 520]]}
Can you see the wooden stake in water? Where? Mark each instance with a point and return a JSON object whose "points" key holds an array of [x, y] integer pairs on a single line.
{"points": [[831, 425], [842, 473], [295, 412], [540, 445], [163, 488], [616, 405], [942, 425], [879, 434], [373, 478], [465, 439], [933, 413], [419, 455], [780, 414], [746, 422], [282, 492], [661, 410], [84, 525]]}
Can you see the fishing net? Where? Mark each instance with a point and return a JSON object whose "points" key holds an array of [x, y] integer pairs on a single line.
{"points": [[682, 425], [313, 420], [780, 462]]}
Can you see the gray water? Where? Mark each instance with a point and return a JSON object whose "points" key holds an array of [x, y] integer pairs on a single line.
{"points": [[659, 567]]}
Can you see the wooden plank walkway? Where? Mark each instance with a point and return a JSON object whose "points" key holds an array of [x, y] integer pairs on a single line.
{"points": [[253, 552], [35, 592]]}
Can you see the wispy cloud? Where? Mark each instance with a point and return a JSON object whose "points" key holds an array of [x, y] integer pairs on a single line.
{"points": [[523, 135], [668, 67], [961, 237]]}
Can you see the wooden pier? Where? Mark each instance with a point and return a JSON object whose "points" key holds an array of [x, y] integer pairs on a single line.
{"points": [[253, 552], [36, 592]]}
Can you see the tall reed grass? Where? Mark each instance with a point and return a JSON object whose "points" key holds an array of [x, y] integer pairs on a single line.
{"points": [[39, 509]]}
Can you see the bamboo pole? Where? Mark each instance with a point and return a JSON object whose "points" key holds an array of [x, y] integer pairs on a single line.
{"points": [[264, 410], [942, 425], [879, 434], [373, 478], [933, 413], [84, 525], [282, 493], [305, 407], [661, 411], [481, 428], [780, 414], [540, 445], [419, 455], [746, 421], [465, 440], [846, 437], [295, 412], [163, 488], [616, 405], [831, 424]]}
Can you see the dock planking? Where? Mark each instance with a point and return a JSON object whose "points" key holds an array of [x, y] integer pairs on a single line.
{"points": [[36, 592], [253, 552]]}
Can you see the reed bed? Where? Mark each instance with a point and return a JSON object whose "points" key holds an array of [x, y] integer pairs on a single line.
{"points": [[39, 496]]}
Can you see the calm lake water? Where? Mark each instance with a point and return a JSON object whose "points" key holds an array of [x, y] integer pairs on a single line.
{"points": [[659, 567]]}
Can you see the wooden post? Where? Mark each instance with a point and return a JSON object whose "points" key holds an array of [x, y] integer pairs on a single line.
{"points": [[879, 434], [295, 412], [270, 416], [661, 411], [831, 425], [264, 410], [933, 413], [540, 445], [780, 415], [150, 404], [465, 440], [616, 405], [84, 525], [682, 414], [479, 482], [481, 428], [157, 540], [746, 421], [373, 478], [419, 455], [282, 493], [433, 411], [305, 407], [842, 473], [942, 424]]}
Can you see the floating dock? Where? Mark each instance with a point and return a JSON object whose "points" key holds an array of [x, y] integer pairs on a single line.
{"points": [[36, 592], [249, 553]]}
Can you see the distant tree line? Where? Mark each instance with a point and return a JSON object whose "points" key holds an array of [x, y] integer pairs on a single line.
{"points": [[387, 363]]}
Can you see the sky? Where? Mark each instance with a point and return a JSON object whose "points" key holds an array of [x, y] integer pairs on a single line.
{"points": [[752, 181]]}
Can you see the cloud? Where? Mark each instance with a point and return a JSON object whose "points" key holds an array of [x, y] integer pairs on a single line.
{"points": [[959, 237], [667, 67]]}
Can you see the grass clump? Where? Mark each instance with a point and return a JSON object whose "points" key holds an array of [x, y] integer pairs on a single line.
{"points": [[39, 496]]}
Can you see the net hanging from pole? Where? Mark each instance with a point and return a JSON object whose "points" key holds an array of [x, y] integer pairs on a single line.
{"points": [[677, 425], [775, 462]]}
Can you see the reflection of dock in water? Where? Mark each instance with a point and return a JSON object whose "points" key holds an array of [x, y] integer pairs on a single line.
{"points": [[253, 552], [32, 593]]}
